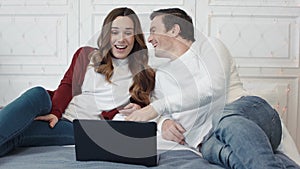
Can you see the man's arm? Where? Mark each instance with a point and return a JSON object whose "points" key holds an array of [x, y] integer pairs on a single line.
{"points": [[212, 86], [210, 89]]}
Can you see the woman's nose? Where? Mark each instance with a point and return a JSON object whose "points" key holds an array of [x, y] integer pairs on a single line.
{"points": [[121, 37]]}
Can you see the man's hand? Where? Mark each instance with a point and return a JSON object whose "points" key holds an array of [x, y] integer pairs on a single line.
{"points": [[130, 108], [51, 118], [145, 114], [173, 131]]}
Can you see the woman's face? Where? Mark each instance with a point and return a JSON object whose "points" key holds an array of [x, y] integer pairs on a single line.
{"points": [[122, 36]]}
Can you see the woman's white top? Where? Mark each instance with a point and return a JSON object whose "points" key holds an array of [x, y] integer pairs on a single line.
{"points": [[100, 95]]}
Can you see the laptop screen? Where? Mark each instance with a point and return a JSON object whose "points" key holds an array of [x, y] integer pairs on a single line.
{"points": [[116, 141]]}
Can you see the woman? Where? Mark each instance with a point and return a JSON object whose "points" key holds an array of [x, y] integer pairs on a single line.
{"points": [[98, 80]]}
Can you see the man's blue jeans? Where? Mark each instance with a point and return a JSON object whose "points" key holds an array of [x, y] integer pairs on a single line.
{"points": [[246, 135], [18, 127]]}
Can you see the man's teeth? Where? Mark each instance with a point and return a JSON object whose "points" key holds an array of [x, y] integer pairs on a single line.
{"points": [[120, 46]]}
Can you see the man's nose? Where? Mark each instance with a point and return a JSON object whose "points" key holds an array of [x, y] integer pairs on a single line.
{"points": [[150, 38]]}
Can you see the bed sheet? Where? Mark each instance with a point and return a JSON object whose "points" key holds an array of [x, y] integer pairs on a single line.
{"points": [[50, 157]]}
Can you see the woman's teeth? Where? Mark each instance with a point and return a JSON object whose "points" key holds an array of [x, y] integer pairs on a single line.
{"points": [[120, 46]]}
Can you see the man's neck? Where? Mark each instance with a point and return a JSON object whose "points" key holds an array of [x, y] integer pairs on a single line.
{"points": [[180, 47]]}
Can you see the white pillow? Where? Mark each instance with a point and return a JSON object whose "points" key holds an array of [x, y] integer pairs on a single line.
{"points": [[288, 146]]}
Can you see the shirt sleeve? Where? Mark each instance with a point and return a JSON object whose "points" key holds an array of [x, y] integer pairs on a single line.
{"points": [[210, 89], [71, 83]]}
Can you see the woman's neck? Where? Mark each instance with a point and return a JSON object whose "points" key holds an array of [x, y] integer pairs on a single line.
{"points": [[119, 62]]}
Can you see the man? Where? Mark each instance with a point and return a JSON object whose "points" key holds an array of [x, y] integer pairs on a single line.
{"points": [[189, 89], [245, 135]]}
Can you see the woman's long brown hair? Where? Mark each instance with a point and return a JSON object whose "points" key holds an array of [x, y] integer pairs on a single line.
{"points": [[143, 74]]}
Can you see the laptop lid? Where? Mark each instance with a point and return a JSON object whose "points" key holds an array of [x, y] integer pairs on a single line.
{"points": [[116, 141]]}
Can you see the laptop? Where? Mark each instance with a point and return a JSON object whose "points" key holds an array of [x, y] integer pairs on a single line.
{"points": [[116, 141]]}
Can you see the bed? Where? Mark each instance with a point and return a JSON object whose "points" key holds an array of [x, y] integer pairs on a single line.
{"points": [[50, 157], [64, 157]]}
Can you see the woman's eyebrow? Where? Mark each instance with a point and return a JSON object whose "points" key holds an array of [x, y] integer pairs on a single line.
{"points": [[129, 28], [119, 28]]}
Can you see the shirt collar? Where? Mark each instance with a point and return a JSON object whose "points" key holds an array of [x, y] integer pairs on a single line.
{"points": [[120, 62]]}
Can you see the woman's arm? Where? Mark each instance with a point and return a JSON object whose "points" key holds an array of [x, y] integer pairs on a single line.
{"points": [[71, 83]]}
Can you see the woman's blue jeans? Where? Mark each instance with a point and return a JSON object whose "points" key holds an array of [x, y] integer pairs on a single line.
{"points": [[246, 135], [18, 127]]}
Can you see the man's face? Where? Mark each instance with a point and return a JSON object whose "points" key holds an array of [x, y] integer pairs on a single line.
{"points": [[160, 39]]}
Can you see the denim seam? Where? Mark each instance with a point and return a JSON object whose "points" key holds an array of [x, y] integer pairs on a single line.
{"points": [[13, 134], [16, 132]]}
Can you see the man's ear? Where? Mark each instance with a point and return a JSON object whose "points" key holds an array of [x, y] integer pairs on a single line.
{"points": [[176, 30]]}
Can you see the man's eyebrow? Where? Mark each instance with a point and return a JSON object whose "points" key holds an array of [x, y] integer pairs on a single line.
{"points": [[151, 29]]}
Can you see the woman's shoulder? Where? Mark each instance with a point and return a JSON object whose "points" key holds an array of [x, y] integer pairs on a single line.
{"points": [[85, 49], [83, 53]]}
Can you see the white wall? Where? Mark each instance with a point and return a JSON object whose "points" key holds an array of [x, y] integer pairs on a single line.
{"points": [[263, 36], [38, 38]]}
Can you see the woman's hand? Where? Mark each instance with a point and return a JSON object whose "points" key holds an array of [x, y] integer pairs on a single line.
{"points": [[144, 114], [127, 110], [51, 118]]}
